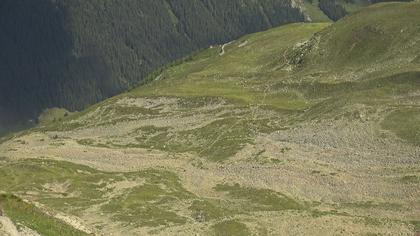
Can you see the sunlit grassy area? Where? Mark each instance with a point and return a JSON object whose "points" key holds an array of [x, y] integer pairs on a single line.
{"points": [[73, 188], [23, 213], [242, 75]]}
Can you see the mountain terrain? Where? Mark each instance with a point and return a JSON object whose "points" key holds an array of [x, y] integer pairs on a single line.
{"points": [[303, 129], [73, 53]]}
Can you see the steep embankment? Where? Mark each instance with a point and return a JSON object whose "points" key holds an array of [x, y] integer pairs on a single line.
{"points": [[73, 53], [277, 135]]}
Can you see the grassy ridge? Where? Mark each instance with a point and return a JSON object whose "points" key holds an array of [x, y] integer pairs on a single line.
{"points": [[22, 213], [381, 34], [241, 75]]}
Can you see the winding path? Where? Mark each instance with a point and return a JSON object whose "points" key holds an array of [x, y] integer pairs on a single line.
{"points": [[222, 52]]}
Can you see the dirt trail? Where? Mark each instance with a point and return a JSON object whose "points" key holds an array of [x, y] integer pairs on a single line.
{"points": [[243, 44], [223, 48]]}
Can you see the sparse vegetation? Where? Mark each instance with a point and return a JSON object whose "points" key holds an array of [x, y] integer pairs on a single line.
{"points": [[231, 228], [24, 213], [260, 199], [72, 188], [411, 179], [150, 203], [405, 123], [207, 210], [370, 204]]}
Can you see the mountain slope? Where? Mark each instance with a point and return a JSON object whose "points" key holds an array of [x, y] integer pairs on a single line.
{"points": [[382, 37], [73, 53], [271, 134]]}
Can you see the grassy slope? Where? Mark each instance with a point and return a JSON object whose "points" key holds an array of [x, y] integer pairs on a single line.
{"points": [[365, 58], [209, 75], [383, 33], [25, 214], [316, 15], [245, 77], [155, 198], [261, 71], [376, 52], [78, 187], [298, 73]]}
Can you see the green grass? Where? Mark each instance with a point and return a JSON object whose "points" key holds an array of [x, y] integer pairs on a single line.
{"points": [[405, 123], [25, 214], [373, 205], [145, 204], [260, 199], [150, 204], [75, 119], [207, 210], [411, 179], [216, 141], [91, 142], [231, 228], [52, 115], [33, 175], [240, 75], [367, 38], [312, 8]]}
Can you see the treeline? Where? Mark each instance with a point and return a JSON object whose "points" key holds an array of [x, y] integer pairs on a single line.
{"points": [[72, 53]]}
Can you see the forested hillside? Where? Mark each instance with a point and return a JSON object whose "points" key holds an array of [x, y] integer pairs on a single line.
{"points": [[71, 53]]}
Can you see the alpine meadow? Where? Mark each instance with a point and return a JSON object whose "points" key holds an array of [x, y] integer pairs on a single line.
{"points": [[207, 117]]}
